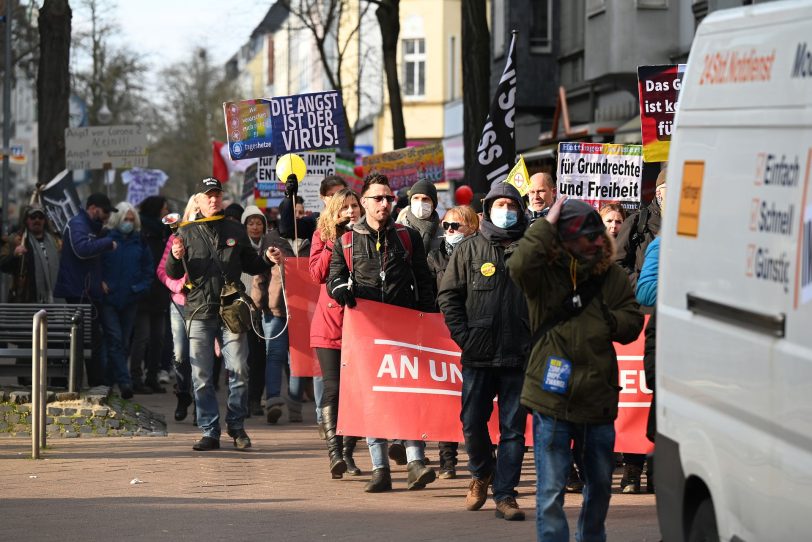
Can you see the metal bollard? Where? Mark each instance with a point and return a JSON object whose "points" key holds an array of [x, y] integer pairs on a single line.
{"points": [[76, 340], [39, 368]]}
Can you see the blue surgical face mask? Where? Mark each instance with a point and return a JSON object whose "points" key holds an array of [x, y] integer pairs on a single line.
{"points": [[503, 218], [454, 238], [126, 228]]}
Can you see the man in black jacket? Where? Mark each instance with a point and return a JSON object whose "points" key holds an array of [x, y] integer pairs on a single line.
{"points": [[213, 251], [486, 314], [388, 266]]}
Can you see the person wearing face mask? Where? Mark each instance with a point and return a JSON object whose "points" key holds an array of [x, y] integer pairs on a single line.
{"points": [[486, 314], [343, 211], [421, 214], [127, 276], [580, 302], [79, 280], [458, 223], [256, 225]]}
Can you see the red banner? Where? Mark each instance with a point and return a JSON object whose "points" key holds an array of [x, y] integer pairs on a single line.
{"points": [[302, 295], [401, 378]]}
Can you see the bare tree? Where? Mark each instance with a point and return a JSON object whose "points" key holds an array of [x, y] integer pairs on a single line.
{"points": [[476, 75], [53, 86], [193, 96], [388, 14]]}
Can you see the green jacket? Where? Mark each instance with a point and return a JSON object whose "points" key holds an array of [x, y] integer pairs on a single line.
{"points": [[541, 268]]}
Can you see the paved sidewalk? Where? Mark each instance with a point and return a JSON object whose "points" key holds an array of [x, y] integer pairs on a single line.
{"points": [[279, 490]]}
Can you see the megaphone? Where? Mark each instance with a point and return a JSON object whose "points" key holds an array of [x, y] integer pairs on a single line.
{"points": [[290, 166], [172, 220]]}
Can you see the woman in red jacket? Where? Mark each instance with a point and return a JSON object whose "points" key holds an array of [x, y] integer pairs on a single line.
{"points": [[343, 209]]}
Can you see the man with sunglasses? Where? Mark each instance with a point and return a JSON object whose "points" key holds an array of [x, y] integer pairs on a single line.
{"points": [[580, 302], [33, 260], [486, 314], [388, 266]]}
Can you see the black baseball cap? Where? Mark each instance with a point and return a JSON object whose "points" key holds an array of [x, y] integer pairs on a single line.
{"points": [[101, 201], [208, 184]]}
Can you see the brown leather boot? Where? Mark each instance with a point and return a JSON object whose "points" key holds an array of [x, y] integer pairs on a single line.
{"points": [[477, 493], [509, 510]]}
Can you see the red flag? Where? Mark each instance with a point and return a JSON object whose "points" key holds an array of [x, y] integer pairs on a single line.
{"points": [[219, 168]]}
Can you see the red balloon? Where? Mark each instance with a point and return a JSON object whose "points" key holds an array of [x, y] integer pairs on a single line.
{"points": [[359, 171], [463, 195]]}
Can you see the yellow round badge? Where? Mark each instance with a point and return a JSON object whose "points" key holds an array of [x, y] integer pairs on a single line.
{"points": [[487, 269]]}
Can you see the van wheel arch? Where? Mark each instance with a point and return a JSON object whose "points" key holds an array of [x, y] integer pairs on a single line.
{"points": [[699, 518]]}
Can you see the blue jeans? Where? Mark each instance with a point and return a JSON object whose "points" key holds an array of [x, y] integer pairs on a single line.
{"points": [[118, 328], [201, 355], [479, 387], [595, 444], [379, 451], [183, 369], [318, 391], [276, 357]]}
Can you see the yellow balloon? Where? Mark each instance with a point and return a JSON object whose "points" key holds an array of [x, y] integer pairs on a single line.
{"points": [[290, 164]]}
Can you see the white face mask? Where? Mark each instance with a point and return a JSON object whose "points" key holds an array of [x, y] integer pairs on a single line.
{"points": [[421, 209], [454, 238]]}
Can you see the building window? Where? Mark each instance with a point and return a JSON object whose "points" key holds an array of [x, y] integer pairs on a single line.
{"points": [[594, 7], [652, 4], [414, 68], [498, 28], [541, 27], [270, 61], [452, 68]]}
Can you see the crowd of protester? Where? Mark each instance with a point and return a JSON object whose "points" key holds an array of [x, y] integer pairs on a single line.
{"points": [[533, 290]]}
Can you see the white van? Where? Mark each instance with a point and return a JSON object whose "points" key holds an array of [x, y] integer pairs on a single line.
{"points": [[734, 320]]}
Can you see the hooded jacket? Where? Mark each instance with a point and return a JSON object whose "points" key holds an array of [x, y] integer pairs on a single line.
{"points": [[83, 242], [484, 310], [155, 235], [401, 273], [541, 267], [234, 252]]}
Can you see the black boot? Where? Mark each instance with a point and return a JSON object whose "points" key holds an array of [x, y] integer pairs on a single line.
{"points": [[419, 475], [335, 443], [349, 448], [381, 481], [181, 411]]}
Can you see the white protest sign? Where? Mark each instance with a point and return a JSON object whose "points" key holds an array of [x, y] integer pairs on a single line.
{"points": [[106, 147], [600, 172], [319, 164]]}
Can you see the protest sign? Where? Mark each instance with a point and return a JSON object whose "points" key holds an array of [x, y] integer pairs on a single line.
{"points": [[307, 122], [248, 129], [414, 367], [319, 165], [519, 178], [249, 182], [106, 147], [60, 199], [302, 294], [404, 167], [599, 173], [658, 88], [143, 183]]}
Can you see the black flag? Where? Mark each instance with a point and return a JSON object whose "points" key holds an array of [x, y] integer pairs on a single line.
{"points": [[60, 199], [496, 152]]}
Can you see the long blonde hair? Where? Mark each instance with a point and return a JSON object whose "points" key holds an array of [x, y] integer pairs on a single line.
{"points": [[330, 218], [191, 209]]}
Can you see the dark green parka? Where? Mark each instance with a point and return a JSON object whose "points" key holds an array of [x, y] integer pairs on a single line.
{"points": [[541, 268]]}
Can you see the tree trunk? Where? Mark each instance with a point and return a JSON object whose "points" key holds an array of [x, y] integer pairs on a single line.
{"points": [[53, 86], [476, 75], [388, 14]]}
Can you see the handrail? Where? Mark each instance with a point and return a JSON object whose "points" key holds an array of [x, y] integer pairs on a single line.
{"points": [[39, 379], [76, 350]]}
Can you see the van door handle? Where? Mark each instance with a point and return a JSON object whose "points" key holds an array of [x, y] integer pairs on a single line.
{"points": [[770, 324]]}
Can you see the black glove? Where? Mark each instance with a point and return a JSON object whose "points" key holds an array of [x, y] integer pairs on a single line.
{"points": [[291, 187], [340, 290], [342, 227]]}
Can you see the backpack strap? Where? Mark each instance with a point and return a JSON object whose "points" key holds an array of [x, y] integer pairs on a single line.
{"points": [[405, 240], [346, 243]]}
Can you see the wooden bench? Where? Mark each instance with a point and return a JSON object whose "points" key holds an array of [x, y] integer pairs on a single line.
{"points": [[69, 339]]}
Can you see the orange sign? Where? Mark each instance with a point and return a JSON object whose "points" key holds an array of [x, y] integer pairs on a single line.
{"points": [[693, 173]]}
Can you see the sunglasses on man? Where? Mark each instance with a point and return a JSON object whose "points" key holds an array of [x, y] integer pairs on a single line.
{"points": [[378, 199], [451, 225]]}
